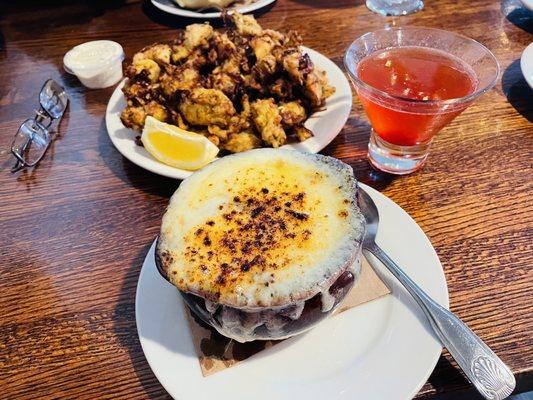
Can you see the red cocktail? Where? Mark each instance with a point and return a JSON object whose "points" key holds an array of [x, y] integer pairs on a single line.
{"points": [[413, 73], [412, 82]]}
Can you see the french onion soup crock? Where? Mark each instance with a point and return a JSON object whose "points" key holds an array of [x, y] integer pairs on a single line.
{"points": [[263, 244]]}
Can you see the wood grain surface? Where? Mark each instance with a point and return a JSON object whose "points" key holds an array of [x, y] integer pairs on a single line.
{"points": [[75, 230]]}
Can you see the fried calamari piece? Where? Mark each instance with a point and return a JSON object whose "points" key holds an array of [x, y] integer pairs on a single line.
{"points": [[224, 82], [267, 48], [178, 79], [177, 119], [267, 120], [159, 52], [314, 90], [179, 53], [230, 66], [291, 64], [282, 89], [292, 113], [251, 82], [133, 117], [217, 131], [314, 81], [196, 59], [156, 110], [226, 77], [293, 39], [207, 107], [197, 35], [327, 90], [144, 69], [241, 142], [302, 133], [213, 139], [246, 25], [278, 38], [246, 112], [263, 45], [224, 47], [266, 67], [243, 121], [139, 93]]}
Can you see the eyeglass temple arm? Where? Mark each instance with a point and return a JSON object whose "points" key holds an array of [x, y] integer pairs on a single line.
{"points": [[20, 162]]}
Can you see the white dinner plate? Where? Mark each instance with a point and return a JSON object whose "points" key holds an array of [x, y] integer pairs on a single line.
{"points": [[380, 350], [526, 64], [171, 7], [325, 125]]}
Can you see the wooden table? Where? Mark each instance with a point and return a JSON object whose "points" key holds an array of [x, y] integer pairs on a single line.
{"points": [[75, 231]]}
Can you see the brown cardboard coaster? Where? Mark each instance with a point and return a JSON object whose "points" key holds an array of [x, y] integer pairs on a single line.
{"points": [[216, 352]]}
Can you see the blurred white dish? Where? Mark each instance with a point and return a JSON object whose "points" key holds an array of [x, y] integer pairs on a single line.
{"points": [[325, 125], [526, 64], [172, 8], [202, 4], [528, 4], [381, 350]]}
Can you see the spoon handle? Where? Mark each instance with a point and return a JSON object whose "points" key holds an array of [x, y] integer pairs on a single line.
{"points": [[491, 377]]}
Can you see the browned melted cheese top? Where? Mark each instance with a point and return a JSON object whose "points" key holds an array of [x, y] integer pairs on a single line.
{"points": [[257, 235], [250, 235]]}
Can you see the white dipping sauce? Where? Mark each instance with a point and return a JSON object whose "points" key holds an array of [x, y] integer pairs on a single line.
{"points": [[97, 64]]}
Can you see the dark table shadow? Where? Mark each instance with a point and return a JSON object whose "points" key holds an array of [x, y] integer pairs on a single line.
{"points": [[178, 22], [517, 91], [353, 139], [82, 12], [125, 330], [379, 180], [450, 383], [130, 173], [517, 14], [2, 43], [449, 378]]}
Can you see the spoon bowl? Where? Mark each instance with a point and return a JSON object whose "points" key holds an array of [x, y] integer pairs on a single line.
{"points": [[371, 214]]}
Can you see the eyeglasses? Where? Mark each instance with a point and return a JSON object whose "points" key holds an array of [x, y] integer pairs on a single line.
{"points": [[35, 134]]}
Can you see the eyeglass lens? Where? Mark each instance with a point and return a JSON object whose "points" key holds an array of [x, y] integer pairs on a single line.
{"points": [[53, 99], [31, 141]]}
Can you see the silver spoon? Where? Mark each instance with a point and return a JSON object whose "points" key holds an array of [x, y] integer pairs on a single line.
{"points": [[491, 377]]}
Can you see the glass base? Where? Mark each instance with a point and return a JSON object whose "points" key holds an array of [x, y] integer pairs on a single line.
{"points": [[398, 160], [395, 7]]}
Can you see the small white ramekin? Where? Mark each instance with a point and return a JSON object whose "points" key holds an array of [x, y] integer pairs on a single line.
{"points": [[97, 64]]}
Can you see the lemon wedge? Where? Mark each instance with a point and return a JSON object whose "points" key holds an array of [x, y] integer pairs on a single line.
{"points": [[177, 147]]}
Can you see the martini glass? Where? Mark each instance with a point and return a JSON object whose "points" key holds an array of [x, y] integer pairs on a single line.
{"points": [[402, 127]]}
